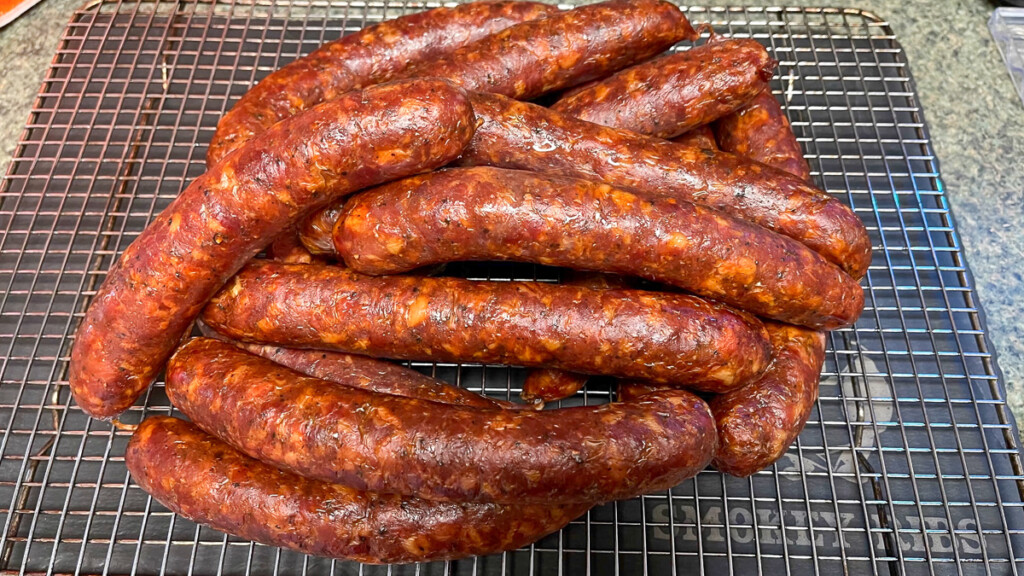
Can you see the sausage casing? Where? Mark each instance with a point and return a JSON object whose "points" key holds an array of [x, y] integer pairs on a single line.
{"points": [[408, 446], [760, 131], [757, 423], [207, 481], [370, 56], [674, 93], [675, 339], [487, 213], [700, 137], [366, 373], [529, 59], [225, 217], [529, 137]]}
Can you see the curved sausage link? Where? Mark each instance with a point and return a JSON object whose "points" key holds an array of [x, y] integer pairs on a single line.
{"points": [[365, 373], [226, 216], [370, 56], [760, 131], [529, 59], [529, 137], [675, 339], [407, 446], [487, 213], [209, 482], [674, 93], [758, 422]]}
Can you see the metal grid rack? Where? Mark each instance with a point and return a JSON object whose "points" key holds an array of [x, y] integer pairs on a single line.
{"points": [[909, 463]]}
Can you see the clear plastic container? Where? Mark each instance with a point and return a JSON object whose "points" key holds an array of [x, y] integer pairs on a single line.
{"points": [[1007, 27]]}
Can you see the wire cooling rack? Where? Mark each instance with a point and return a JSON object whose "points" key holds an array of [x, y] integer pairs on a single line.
{"points": [[910, 461]]}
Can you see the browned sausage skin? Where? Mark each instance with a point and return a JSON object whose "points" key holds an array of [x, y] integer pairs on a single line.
{"points": [[487, 213], [529, 137], [207, 481], [672, 94], [364, 372], [529, 59], [700, 137], [226, 216], [675, 339], [550, 384], [757, 423], [370, 56], [408, 446], [760, 131]]}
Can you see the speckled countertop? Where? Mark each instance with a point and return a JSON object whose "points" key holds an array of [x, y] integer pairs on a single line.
{"points": [[976, 121]]}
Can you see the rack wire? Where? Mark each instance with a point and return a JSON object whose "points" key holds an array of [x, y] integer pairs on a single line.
{"points": [[909, 464]]}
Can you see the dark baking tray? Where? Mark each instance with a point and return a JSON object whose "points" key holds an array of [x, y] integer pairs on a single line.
{"points": [[909, 464]]}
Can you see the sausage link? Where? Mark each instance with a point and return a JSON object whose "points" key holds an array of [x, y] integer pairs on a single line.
{"points": [[370, 56], [700, 137], [209, 482], [489, 213], [407, 446], [758, 422], [551, 384], [675, 339], [672, 94], [529, 137], [760, 131], [226, 216], [529, 59], [315, 232], [288, 248], [365, 373], [627, 391]]}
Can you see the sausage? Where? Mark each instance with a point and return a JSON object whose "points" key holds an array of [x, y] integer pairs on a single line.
{"points": [[551, 384], [364, 372], [487, 213], [700, 137], [230, 213], [209, 482], [529, 137], [674, 93], [529, 59], [628, 391], [760, 131], [370, 56], [674, 339], [413, 447], [289, 249], [757, 423], [315, 232]]}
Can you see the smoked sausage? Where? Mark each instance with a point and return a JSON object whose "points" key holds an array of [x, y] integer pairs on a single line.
{"points": [[550, 384], [528, 137], [674, 339], [364, 372], [700, 137], [207, 481], [226, 216], [760, 131], [487, 213], [565, 49], [757, 423], [407, 446], [674, 93], [370, 56]]}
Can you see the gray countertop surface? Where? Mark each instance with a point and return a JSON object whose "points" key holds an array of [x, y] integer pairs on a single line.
{"points": [[976, 121]]}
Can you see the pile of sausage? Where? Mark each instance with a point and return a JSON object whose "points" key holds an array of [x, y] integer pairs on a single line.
{"points": [[703, 266]]}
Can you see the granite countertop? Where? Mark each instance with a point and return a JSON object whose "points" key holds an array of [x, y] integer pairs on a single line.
{"points": [[976, 121]]}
